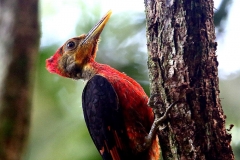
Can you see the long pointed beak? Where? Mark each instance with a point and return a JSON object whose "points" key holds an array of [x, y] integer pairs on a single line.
{"points": [[95, 32]]}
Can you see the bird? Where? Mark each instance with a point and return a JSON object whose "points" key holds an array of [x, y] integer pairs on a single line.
{"points": [[115, 106]]}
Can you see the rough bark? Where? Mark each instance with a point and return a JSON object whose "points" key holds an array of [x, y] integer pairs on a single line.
{"points": [[183, 67], [18, 50]]}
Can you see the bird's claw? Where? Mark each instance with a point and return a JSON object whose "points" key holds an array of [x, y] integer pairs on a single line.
{"points": [[157, 122]]}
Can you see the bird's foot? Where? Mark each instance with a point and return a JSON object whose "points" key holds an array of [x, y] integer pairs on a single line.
{"points": [[157, 122]]}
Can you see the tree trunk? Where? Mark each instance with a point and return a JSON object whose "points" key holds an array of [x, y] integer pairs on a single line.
{"points": [[19, 41], [183, 67]]}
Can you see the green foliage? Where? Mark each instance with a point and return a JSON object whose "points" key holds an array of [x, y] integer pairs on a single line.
{"points": [[230, 98], [221, 15]]}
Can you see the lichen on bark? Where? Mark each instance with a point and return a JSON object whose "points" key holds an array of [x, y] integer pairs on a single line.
{"points": [[183, 67]]}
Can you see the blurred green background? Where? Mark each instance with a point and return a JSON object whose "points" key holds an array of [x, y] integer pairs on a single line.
{"points": [[58, 129]]}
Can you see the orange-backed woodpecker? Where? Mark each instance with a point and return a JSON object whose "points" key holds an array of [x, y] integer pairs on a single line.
{"points": [[114, 105]]}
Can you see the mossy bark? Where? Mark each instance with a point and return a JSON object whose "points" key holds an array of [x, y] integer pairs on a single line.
{"points": [[183, 67]]}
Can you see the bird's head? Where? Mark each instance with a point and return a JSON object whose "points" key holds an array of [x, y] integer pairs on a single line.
{"points": [[73, 57]]}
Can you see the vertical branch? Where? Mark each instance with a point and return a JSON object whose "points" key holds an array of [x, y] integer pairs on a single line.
{"points": [[183, 67], [16, 84], [7, 17]]}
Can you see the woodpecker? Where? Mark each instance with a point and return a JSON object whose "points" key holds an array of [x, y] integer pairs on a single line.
{"points": [[115, 106]]}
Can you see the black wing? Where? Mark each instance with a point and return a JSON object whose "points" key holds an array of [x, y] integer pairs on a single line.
{"points": [[104, 119]]}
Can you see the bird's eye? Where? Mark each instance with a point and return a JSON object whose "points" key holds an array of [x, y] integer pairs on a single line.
{"points": [[71, 45]]}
